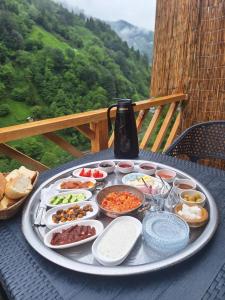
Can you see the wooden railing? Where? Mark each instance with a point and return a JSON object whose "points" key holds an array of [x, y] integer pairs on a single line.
{"points": [[93, 125]]}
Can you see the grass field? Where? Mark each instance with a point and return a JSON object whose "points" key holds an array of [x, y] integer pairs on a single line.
{"points": [[19, 111], [48, 39]]}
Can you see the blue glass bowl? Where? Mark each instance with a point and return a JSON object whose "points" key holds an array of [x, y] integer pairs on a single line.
{"points": [[165, 232]]}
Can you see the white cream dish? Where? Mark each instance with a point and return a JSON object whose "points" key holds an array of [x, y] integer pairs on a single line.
{"points": [[117, 240], [94, 228], [69, 213]]}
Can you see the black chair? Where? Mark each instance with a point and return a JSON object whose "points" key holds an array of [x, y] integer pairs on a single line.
{"points": [[201, 141]]}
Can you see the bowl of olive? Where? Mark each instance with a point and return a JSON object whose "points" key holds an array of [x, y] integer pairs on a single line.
{"points": [[193, 197]]}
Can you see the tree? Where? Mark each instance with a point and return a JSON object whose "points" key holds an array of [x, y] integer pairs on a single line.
{"points": [[31, 147], [10, 33], [4, 110], [20, 93]]}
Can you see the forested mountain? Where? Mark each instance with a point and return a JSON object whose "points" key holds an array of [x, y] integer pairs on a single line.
{"points": [[53, 62], [138, 38]]}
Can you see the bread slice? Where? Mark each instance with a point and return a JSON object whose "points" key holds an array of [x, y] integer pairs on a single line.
{"points": [[18, 187], [29, 173], [15, 173], [6, 202], [2, 185]]}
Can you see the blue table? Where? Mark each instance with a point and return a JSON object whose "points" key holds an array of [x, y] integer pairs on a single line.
{"points": [[25, 275]]}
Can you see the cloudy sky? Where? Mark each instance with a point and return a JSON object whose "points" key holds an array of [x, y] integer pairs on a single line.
{"points": [[137, 12]]}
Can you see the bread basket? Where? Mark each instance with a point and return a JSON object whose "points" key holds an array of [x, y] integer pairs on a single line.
{"points": [[9, 212]]}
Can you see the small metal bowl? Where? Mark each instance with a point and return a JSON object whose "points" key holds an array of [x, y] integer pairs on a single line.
{"points": [[119, 188]]}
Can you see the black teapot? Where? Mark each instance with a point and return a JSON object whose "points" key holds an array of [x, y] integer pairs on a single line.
{"points": [[125, 131]]}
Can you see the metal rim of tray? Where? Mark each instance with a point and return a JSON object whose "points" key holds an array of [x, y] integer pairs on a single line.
{"points": [[121, 270]]}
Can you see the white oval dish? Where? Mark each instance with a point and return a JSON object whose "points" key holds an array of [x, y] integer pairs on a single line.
{"points": [[88, 195], [77, 172], [94, 223], [83, 179], [120, 231], [90, 215]]}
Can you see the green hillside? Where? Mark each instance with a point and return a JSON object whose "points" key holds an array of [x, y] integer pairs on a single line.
{"points": [[47, 38], [53, 62], [18, 113]]}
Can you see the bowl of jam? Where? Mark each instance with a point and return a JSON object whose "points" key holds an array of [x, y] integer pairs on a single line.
{"points": [[107, 165], [166, 174], [125, 166], [147, 168]]}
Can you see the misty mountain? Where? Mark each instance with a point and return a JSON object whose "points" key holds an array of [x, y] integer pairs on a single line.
{"points": [[138, 38]]}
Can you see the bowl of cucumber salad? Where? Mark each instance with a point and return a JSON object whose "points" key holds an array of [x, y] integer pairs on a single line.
{"points": [[68, 197]]}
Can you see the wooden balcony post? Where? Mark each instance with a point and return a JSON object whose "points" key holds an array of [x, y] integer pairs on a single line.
{"points": [[100, 140]]}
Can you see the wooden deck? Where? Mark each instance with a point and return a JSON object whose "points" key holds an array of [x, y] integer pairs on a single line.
{"points": [[94, 126]]}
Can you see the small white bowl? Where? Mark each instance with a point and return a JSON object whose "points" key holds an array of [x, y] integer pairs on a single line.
{"points": [[90, 215], [87, 194], [150, 171], [189, 182], [125, 170], [120, 222], [166, 174], [108, 169], [191, 193], [94, 223]]}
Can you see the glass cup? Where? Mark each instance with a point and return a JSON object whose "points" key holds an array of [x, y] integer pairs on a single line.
{"points": [[171, 201]]}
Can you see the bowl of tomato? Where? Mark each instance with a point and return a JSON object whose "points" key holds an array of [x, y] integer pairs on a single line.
{"points": [[119, 200], [94, 173]]}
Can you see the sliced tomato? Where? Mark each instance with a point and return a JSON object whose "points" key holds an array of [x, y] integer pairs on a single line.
{"points": [[82, 172], [88, 173]]}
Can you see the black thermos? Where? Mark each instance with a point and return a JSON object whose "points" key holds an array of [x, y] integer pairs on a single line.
{"points": [[125, 131]]}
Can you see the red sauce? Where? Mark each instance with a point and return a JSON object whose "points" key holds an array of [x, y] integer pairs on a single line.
{"points": [[73, 234], [145, 167], [124, 165]]}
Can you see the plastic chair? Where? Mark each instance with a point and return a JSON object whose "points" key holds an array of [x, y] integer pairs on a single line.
{"points": [[201, 141]]}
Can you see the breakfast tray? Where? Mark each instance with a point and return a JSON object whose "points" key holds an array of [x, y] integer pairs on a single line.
{"points": [[141, 259]]}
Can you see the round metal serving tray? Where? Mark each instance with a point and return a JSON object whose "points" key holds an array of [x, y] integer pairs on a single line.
{"points": [[141, 259]]}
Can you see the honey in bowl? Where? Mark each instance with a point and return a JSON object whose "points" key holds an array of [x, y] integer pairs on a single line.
{"points": [[184, 186]]}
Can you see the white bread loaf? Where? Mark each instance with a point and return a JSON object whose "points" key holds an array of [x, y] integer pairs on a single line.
{"points": [[29, 173], [2, 185], [18, 187], [6, 202], [15, 173]]}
